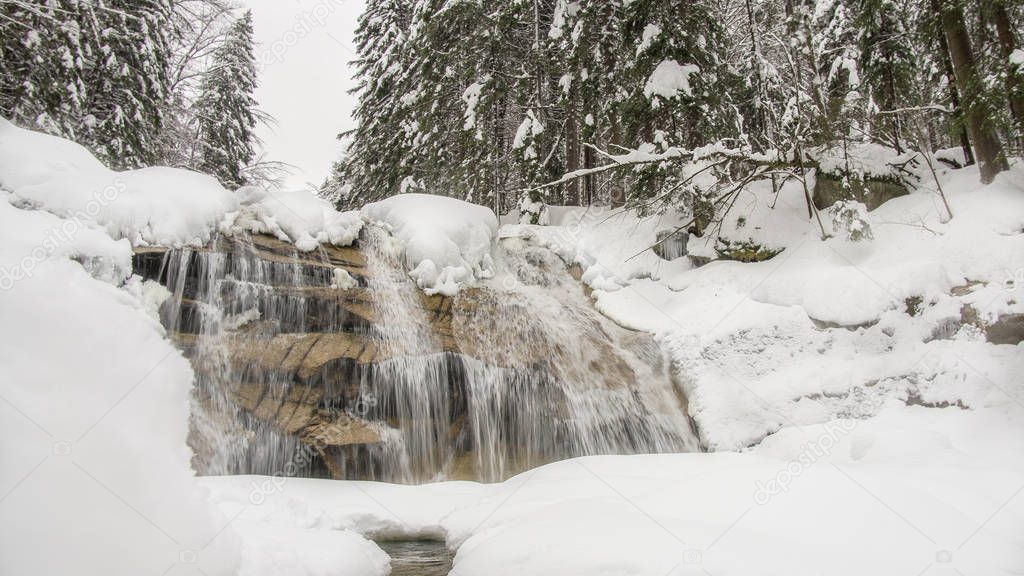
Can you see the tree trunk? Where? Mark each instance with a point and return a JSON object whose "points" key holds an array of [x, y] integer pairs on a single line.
{"points": [[758, 127], [572, 156], [1014, 78], [954, 94], [988, 149], [589, 180]]}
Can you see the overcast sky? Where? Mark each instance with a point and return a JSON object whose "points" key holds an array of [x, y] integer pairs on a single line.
{"points": [[303, 49]]}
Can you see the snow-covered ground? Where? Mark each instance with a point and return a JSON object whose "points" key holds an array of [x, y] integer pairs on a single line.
{"points": [[861, 422], [910, 492]]}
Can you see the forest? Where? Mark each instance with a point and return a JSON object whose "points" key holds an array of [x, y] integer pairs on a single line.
{"points": [[520, 103]]}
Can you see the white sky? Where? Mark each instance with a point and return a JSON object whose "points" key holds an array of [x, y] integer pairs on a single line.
{"points": [[302, 50]]}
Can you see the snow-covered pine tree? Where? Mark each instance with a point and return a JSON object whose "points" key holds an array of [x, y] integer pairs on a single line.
{"points": [[45, 52], [376, 150], [128, 82], [887, 64], [226, 108]]}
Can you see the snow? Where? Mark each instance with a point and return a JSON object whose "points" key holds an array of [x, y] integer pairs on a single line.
{"points": [[910, 488], [158, 205], [856, 498], [651, 31], [471, 97], [1017, 57], [299, 217], [446, 242], [270, 550], [94, 469], [669, 79], [529, 128], [612, 247], [149, 206]]}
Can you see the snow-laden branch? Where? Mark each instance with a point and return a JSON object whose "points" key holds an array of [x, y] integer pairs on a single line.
{"points": [[643, 156]]}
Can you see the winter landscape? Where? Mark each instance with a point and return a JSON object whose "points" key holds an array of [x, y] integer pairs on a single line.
{"points": [[512, 287]]}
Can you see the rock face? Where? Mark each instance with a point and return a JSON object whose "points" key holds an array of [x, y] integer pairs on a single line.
{"points": [[872, 192], [294, 373]]}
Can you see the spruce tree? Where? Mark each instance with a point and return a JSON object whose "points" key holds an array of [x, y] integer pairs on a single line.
{"points": [[128, 82], [887, 63], [226, 108]]}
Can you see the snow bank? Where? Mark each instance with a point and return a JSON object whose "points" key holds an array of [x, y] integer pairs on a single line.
{"points": [[299, 217], [844, 498], [158, 206], [446, 242], [94, 469], [275, 550], [150, 206]]}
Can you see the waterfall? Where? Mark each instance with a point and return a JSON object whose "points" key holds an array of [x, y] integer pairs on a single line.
{"points": [[296, 375]]}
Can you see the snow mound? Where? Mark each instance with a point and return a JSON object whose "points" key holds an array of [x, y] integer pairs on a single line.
{"points": [[273, 550], [446, 242], [813, 502], [149, 206], [94, 468], [299, 217], [862, 159]]}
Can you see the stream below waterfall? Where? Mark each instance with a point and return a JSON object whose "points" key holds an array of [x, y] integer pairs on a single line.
{"points": [[333, 363], [417, 557]]}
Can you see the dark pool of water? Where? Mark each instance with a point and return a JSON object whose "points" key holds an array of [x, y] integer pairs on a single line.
{"points": [[417, 557]]}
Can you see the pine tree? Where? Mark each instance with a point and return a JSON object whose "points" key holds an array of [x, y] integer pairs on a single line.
{"points": [[887, 63], [128, 84], [377, 149], [92, 72], [226, 108]]}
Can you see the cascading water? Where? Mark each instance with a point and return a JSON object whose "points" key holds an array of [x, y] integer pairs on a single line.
{"points": [[552, 378], [297, 375], [231, 295]]}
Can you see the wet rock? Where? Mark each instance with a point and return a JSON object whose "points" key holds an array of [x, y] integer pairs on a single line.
{"points": [[1008, 329]]}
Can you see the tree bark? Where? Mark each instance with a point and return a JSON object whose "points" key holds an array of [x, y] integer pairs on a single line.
{"points": [[1014, 78], [572, 156], [988, 149], [954, 94]]}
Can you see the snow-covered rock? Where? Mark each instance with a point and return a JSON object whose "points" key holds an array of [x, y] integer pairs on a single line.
{"points": [[299, 217], [446, 242], [158, 205], [149, 206]]}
